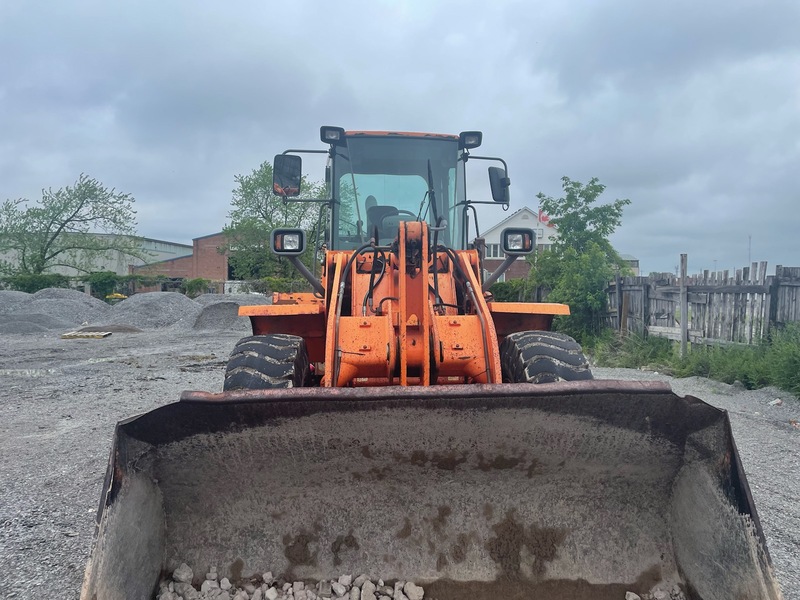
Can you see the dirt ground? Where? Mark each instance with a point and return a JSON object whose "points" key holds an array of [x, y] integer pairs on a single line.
{"points": [[61, 399]]}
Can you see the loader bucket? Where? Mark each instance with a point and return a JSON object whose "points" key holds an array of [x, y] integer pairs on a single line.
{"points": [[567, 490]]}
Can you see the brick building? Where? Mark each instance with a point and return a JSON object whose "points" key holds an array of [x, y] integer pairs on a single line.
{"points": [[205, 261]]}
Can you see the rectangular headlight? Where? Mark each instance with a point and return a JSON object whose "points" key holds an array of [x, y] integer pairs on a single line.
{"points": [[518, 240], [470, 139], [288, 241], [331, 135]]}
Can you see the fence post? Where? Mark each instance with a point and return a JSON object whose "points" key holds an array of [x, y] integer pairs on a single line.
{"points": [[618, 280], [684, 306]]}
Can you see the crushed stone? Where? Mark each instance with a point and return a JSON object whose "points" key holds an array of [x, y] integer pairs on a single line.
{"points": [[9, 298], [221, 315], [154, 310], [42, 321], [178, 587]]}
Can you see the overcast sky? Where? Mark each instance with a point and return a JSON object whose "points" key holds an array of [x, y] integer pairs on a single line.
{"points": [[690, 109]]}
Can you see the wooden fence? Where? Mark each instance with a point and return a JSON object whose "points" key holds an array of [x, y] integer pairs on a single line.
{"points": [[722, 307]]}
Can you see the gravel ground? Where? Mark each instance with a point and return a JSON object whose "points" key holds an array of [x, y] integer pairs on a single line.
{"points": [[62, 398]]}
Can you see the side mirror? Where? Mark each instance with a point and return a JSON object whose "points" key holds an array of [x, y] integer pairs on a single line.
{"points": [[499, 182], [287, 171]]}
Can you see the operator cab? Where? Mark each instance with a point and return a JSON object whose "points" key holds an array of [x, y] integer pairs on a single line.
{"points": [[379, 179]]}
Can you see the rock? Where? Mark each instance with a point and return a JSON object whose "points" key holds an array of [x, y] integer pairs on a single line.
{"points": [[346, 580], [224, 584], [386, 590], [186, 591], [632, 596], [271, 593], [359, 581], [209, 585], [324, 589], [211, 576], [414, 592], [660, 595], [257, 594], [355, 593], [298, 586], [338, 588], [241, 595], [267, 577], [398, 591], [249, 588], [183, 574], [776, 402], [368, 591]]}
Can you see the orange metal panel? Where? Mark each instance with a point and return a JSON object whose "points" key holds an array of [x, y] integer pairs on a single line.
{"points": [[281, 310], [529, 308], [459, 348]]}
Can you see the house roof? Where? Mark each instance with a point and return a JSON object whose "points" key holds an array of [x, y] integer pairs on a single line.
{"points": [[508, 218]]}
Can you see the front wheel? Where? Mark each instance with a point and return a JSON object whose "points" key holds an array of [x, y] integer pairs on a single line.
{"points": [[542, 357], [262, 362]]}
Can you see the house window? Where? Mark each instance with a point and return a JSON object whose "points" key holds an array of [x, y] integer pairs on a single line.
{"points": [[492, 250]]}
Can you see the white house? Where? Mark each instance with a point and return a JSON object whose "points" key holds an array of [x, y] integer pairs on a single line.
{"points": [[524, 217]]}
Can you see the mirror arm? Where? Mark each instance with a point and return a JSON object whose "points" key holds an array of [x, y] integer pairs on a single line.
{"points": [[510, 258], [298, 264]]}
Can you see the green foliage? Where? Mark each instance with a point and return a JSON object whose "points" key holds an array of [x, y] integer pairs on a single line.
{"points": [[775, 362], [610, 349], [784, 358], [195, 287], [582, 261], [255, 212], [509, 291], [580, 281], [727, 364], [33, 283], [580, 224], [59, 230], [103, 283], [267, 285]]}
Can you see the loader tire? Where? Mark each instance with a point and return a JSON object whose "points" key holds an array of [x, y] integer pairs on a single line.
{"points": [[262, 362], [542, 357]]}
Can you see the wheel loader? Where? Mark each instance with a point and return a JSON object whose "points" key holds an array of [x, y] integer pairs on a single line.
{"points": [[399, 422]]}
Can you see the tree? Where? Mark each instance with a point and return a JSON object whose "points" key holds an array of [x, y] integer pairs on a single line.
{"points": [[255, 213], [582, 260], [578, 222], [59, 230]]}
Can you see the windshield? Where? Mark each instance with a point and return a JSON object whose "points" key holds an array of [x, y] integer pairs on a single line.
{"points": [[380, 181]]}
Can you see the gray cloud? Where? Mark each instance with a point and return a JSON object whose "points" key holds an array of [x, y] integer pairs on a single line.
{"points": [[689, 110]]}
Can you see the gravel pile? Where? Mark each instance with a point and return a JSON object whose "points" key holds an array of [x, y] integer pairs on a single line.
{"points": [[51, 308], [267, 587], [62, 309], [154, 310], [221, 311], [241, 299], [9, 298]]}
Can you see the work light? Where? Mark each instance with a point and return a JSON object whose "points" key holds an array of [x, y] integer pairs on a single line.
{"points": [[518, 240], [288, 241], [331, 135]]}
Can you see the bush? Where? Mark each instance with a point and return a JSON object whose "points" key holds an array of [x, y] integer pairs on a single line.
{"points": [[195, 287], [775, 362], [103, 283], [34, 283]]}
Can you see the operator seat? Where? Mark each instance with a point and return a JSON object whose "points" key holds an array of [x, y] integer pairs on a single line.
{"points": [[375, 216]]}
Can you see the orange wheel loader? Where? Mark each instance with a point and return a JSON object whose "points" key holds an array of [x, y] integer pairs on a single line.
{"points": [[449, 439]]}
